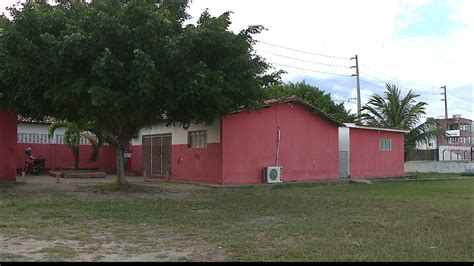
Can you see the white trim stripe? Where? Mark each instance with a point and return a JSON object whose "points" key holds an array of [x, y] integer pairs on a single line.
{"points": [[350, 125]]}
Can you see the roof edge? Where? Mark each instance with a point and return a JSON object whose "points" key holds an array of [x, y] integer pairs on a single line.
{"points": [[352, 125], [304, 103]]}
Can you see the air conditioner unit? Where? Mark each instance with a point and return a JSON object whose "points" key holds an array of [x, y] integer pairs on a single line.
{"points": [[272, 174]]}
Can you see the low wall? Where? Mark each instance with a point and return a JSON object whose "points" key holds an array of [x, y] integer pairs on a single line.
{"points": [[7, 144], [437, 166], [60, 156]]}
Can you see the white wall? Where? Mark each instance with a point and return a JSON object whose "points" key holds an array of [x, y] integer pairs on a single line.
{"points": [[38, 133], [180, 135], [437, 167]]}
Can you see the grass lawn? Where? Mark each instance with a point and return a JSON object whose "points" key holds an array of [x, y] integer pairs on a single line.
{"points": [[167, 221]]}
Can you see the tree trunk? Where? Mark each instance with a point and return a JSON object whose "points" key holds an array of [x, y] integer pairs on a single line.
{"points": [[121, 178]]}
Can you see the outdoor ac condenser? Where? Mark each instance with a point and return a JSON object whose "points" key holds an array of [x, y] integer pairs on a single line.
{"points": [[272, 174]]}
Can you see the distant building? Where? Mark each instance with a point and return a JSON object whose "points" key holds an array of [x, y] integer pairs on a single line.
{"points": [[458, 131], [458, 143]]}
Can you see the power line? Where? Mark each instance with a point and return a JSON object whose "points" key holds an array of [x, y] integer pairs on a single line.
{"points": [[466, 102], [363, 80], [384, 81], [312, 70], [377, 86], [427, 100], [342, 66], [305, 52], [416, 85], [460, 107], [302, 60], [394, 78]]}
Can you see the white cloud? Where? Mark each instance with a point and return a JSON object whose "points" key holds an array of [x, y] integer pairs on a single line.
{"points": [[369, 29]]}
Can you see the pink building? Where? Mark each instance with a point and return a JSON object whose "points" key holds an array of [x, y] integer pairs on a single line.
{"points": [[289, 136], [7, 144], [368, 152], [235, 149]]}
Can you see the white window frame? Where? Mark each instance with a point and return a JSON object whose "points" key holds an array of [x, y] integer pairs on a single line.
{"points": [[197, 139], [385, 144]]}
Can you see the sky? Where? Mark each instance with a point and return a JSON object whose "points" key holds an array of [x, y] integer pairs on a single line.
{"points": [[414, 44]]}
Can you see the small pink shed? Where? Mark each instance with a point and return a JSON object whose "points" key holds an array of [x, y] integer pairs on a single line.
{"points": [[369, 152]]}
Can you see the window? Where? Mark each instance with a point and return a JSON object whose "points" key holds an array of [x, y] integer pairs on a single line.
{"points": [[453, 127], [197, 139], [385, 144]]}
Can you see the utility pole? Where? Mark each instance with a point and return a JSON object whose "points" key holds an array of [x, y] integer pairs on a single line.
{"points": [[445, 102], [358, 83]]}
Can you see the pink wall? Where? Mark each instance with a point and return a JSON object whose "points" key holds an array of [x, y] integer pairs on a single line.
{"points": [[366, 159], [8, 129], [60, 156], [308, 150], [202, 165], [136, 160], [197, 164]]}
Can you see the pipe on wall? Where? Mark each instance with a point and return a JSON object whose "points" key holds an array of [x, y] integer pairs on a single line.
{"points": [[278, 146]]}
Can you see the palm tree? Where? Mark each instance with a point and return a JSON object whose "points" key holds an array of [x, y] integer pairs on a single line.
{"points": [[74, 131], [394, 111]]}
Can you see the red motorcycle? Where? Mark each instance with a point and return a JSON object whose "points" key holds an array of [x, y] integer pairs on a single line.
{"points": [[33, 164]]}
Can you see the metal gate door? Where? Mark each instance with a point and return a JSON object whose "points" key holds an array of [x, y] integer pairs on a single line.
{"points": [[156, 155], [343, 164]]}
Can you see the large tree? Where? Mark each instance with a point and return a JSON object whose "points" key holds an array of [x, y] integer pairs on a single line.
{"points": [[124, 65], [393, 110], [312, 95]]}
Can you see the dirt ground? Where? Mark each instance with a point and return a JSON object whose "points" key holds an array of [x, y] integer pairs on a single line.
{"points": [[91, 187], [104, 245]]}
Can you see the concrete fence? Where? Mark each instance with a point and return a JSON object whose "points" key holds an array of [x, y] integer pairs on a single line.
{"points": [[438, 167]]}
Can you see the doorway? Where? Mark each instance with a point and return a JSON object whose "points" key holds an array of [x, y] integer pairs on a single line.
{"points": [[156, 155]]}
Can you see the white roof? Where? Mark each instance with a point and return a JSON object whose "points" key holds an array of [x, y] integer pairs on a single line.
{"points": [[352, 125]]}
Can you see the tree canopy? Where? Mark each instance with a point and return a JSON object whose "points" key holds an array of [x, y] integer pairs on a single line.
{"points": [[312, 95], [124, 65]]}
